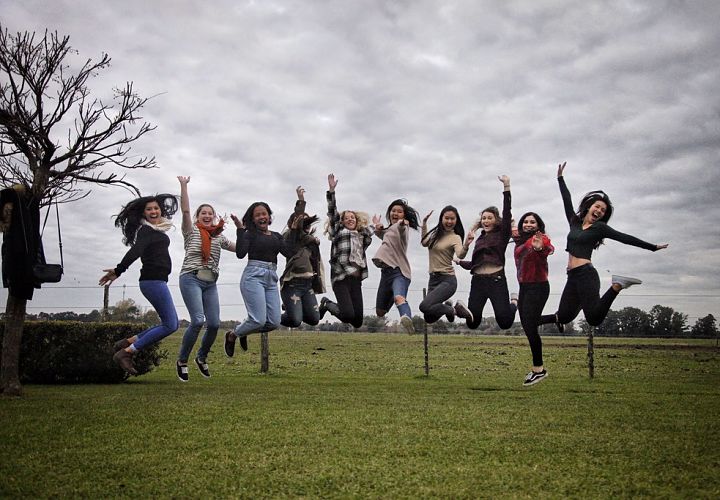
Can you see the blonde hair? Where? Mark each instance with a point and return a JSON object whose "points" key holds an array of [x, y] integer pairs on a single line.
{"points": [[362, 218]]}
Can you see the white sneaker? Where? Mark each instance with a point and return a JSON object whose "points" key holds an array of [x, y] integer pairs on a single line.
{"points": [[625, 281], [462, 311], [407, 324]]}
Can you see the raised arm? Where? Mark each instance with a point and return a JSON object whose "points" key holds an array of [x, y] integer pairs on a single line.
{"points": [[332, 205], [185, 204], [506, 227], [424, 229], [565, 193]]}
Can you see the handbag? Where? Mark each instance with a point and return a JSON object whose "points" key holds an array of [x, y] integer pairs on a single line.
{"points": [[42, 271]]}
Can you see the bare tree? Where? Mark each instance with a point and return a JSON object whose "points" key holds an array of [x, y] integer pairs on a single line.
{"points": [[57, 140]]}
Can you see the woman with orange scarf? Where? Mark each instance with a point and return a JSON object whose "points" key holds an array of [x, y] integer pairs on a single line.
{"points": [[203, 242]]}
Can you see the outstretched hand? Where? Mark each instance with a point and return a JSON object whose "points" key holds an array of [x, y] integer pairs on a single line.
{"points": [[377, 221], [332, 182], [183, 179], [238, 222], [300, 193], [561, 169], [537, 241], [108, 277], [470, 237], [662, 247], [425, 219]]}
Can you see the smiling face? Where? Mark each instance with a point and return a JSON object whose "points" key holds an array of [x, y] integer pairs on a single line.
{"points": [[349, 220], [488, 221], [261, 218], [595, 213], [205, 215], [449, 219], [152, 212], [397, 213], [530, 224]]}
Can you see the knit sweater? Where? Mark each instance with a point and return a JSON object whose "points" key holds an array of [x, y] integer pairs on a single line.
{"points": [[151, 247], [441, 254], [490, 246], [393, 250]]}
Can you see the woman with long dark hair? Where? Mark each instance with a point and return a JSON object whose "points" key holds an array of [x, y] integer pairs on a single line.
{"points": [[393, 262], [303, 275], [488, 265], [588, 229], [532, 248], [203, 238], [259, 282], [144, 223], [444, 242], [348, 230]]}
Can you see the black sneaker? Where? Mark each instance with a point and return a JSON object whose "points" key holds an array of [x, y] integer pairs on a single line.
{"points": [[230, 344], [182, 372], [451, 315], [533, 378], [322, 308], [243, 342], [203, 367]]}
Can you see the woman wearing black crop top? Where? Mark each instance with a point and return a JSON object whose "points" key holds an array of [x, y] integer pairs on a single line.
{"points": [[588, 229], [259, 282], [144, 222]]}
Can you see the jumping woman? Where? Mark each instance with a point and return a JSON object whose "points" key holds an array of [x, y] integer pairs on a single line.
{"points": [[488, 266], [198, 276], [443, 242], [303, 275], [588, 229], [532, 248], [350, 236], [259, 282], [144, 222], [393, 262]]}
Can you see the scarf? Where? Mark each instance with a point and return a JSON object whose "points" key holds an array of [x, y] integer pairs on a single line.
{"points": [[164, 225], [206, 233]]}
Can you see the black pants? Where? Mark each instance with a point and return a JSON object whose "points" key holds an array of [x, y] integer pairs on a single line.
{"points": [[493, 287], [300, 303], [440, 288], [349, 306], [582, 292], [531, 301]]}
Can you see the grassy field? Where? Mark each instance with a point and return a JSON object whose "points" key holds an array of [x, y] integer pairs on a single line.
{"points": [[352, 415]]}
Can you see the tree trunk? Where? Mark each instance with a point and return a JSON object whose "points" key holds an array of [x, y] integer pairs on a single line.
{"points": [[264, 353], [10, 363]]}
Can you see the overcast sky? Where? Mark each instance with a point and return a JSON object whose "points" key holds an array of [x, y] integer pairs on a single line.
{"points": [[428, 101]]}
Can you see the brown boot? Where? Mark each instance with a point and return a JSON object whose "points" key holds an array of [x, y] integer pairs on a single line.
{"points": [[124, 359], [121, 344]]}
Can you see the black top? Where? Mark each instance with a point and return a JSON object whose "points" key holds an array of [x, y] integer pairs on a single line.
{"points": [[151, 246], [261, 246], [490, 246], [581, 242]]}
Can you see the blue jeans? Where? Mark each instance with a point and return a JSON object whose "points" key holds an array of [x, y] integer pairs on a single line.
{"points": [[158, 294], [392, 284], [300, 303], [259, 288], [201, 300]]}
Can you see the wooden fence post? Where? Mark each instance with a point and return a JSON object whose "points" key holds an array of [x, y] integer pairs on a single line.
{"points": [[591, 353], [425, 342], [264, 353]]}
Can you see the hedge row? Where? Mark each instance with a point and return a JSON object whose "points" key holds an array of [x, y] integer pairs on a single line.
{"points": [[67, 352]]}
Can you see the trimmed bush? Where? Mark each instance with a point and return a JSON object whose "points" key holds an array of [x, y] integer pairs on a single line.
{"points": [[68, 352]]}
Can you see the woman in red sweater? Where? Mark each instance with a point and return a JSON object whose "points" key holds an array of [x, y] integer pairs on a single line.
{"points": [[532, 247]]}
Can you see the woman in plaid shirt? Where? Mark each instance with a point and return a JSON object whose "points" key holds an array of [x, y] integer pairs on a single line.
{"points": [[350, 236]]}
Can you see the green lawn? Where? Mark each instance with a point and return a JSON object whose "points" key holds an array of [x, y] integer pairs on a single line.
{"points": [[352, 415]]}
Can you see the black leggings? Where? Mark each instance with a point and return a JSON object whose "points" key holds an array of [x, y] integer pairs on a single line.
{"points": [[440, 288], [531, 301], [493, 287], [349, 306], [582, 292]]}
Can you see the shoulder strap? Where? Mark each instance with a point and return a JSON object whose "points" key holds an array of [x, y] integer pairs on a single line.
{"points": [[42, 231]]}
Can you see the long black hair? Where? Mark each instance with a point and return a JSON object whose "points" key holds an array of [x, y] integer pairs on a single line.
{"points": [[411, 214], [585, 204], [436, 233], [247, 219], [132, 214], [522, 235]]}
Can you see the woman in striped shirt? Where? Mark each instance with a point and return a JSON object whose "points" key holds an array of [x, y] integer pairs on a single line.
{"points": [[198, 276]]}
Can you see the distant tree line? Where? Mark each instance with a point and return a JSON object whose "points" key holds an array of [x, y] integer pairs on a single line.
{"points": [[660, 321]]}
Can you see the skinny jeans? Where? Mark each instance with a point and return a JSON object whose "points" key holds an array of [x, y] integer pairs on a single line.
{"points": [[349, 306], [158, 294], [531, 301], [441, 287], [493, 287], [582, 292], [259, 289], [300, 303], [203, 305]]}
